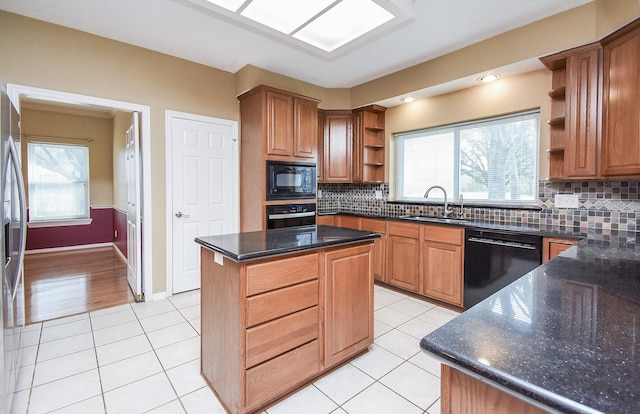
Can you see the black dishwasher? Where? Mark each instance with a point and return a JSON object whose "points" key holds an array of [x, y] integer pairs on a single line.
{"points": [[494, 259]]}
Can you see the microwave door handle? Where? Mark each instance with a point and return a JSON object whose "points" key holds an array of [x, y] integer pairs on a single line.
{"points": [[23, 208]]}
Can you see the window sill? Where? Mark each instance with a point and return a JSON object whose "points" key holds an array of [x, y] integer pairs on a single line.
{"points": [[59, 223]]}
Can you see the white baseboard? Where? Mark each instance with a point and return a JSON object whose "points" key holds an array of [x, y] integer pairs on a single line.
{"points": [[124, 259], [156, 296], [67, 248]]}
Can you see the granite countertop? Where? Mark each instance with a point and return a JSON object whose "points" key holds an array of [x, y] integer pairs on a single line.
{"points": [[243, 247], [566, 335]]}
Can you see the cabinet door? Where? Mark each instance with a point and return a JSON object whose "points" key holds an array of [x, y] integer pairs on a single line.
{"points": [[621, 117], [357, 157], [581, 143], [350, 222], [403, 255], [320, 153], [442, 272], [349, 302], [326, 220], [306, 129], [379, 245], [337, 148], [551, 247], [279, 124]]}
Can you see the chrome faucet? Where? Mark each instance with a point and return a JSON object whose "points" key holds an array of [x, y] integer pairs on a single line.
{"points": [[447, 211]]}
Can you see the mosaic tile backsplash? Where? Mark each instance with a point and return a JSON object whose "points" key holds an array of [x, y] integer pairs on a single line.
{"points": [[608, 210]]}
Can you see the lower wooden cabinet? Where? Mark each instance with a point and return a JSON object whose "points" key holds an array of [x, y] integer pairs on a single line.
{"points": [[326, 220], [403, 255], [553, 246], [379, 245], [442, 259], [349, 303], [272, 325]]}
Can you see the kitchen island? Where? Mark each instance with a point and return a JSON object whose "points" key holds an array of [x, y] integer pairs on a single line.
{"points": [[563, 338], [280, 307]]}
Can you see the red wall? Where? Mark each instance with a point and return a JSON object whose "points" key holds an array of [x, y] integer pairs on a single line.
{"points": [[101, 230]]}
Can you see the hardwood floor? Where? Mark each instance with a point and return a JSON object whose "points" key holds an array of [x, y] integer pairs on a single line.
{"points": [[66, 283]]}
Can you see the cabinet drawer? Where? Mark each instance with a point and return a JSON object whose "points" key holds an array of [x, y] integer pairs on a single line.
{"points": [[266, 381], [281, 335], [409, 230], [372, 225], [443, 234], [263, 277], [281, 302]]}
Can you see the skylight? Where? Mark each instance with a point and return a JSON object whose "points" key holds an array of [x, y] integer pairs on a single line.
{"points": [[323, 26]]}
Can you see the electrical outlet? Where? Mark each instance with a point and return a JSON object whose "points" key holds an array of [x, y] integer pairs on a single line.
{"points": [[378, 194], [115, 234], [567, 200], [319, 193]]}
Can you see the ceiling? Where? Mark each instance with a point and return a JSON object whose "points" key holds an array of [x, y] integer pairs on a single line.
{"points": [[186, 30]]}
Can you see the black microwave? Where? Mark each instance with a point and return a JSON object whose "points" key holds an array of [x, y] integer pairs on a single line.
{"points": [[290, 180]]}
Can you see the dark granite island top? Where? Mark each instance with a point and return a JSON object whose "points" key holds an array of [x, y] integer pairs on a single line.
{"points": [[243, 247], [565, 336]]}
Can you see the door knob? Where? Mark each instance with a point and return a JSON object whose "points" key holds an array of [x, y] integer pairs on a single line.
{"points": [[180, 214]]}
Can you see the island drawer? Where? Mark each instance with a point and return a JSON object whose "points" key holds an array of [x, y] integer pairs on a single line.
{"points": [[271, 305], [268, 380], [271, 275], [281, 335]]}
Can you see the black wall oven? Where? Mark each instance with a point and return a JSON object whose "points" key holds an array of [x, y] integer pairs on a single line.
{"points": [[291, 215], [290, 180]]}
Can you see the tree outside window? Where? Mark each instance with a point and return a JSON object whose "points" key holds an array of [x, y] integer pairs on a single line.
{"points": [[58, 181]]}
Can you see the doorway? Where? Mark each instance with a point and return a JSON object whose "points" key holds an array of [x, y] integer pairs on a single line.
{"points": [[202, 190], [19, 92]]}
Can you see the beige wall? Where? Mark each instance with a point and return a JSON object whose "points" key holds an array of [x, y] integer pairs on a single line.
{"points": [[121, 121], [100, 130], [47, 56]]}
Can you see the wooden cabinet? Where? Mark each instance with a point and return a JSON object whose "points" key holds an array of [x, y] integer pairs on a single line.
{"points": [[583, 124], [621, 119], [575, 112], [553, 246], [337, 147], [320, 150], [326, 220], [272, 325], [349, 303], [403, 255], [442, 258], [595, 108], [368, 144], [379, 245], [291, 124], [274, 125]]}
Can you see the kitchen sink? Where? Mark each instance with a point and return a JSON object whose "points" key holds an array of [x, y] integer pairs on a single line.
{"points": [[428, 219]]}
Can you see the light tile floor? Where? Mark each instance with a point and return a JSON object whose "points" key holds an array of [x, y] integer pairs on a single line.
{"points": [[145, 358]]}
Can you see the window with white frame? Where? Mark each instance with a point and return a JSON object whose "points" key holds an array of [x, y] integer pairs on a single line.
{"points": [[489, 161], [58, 181]]}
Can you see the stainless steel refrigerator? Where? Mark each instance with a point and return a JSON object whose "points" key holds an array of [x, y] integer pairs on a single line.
{"points": [[13, 245]]}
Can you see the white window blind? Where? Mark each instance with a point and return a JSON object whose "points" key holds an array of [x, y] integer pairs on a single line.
{"points": [[58, 181], [492, 160]]}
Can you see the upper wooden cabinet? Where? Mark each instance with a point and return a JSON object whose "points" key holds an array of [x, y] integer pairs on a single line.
{"points": [[595, 108], [287, 122], [337, 147], [575, 112], [352, 145], [621, 118]]}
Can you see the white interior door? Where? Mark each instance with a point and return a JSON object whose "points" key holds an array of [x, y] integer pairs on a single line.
{"points": [[203, 192], [134, 232]]}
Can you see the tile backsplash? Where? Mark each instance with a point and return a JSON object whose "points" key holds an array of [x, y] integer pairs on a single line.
{"points": [[607, 213]]}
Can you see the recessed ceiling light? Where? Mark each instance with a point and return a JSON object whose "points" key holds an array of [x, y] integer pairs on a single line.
{"points": [[325, 27], [489, 77], [408, 99]]}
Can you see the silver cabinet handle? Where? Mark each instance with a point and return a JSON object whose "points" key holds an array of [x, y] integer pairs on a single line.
{"points": [[180, 214]]}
